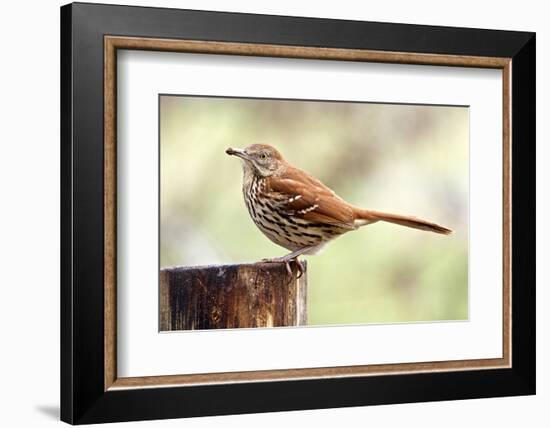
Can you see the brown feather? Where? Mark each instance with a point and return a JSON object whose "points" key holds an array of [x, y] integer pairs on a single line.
{"points": [[403, 220], [306, 197]]}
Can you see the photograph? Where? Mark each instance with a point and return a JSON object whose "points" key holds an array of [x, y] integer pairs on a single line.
{"points": [[291, 212]]}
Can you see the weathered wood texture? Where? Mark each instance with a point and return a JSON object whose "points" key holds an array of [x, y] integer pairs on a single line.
{"points": [[232, 296]]}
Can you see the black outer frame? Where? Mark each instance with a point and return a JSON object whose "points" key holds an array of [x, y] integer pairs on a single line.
{"points": [[83, 399]]}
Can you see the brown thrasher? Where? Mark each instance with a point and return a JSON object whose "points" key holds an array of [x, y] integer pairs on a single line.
{"points": [[297, 211]]}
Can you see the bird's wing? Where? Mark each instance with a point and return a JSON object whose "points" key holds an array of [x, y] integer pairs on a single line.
{"points": [[303, 196]]}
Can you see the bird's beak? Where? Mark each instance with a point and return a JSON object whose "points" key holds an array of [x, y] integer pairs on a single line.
{"points": [[237, 152]]}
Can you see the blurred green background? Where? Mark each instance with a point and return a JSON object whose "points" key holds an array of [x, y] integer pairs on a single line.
{"points": [[405, 159]]}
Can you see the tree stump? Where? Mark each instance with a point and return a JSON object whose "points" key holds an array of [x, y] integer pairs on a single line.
{"points": [[232, 296]]}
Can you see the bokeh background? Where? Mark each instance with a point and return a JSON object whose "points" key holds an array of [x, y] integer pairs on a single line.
{"points": [[407, 159]]}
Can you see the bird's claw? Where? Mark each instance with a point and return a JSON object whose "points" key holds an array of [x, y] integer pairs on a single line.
{"points": [[300, 268], [287, 262]]}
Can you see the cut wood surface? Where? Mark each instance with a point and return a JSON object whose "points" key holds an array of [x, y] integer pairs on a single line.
{"points": [[232, 296]]}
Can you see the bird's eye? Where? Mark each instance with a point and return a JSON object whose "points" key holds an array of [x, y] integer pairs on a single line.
{"points": [[263, 156]]}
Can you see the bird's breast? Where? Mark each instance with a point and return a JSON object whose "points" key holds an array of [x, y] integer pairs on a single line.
{"points": [[268, 213]]}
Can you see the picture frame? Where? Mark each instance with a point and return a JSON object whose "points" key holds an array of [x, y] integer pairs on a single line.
{"points": [[91, 390]]}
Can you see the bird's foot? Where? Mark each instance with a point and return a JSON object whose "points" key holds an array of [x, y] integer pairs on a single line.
{"points": [[284, 260], [287, 260]]}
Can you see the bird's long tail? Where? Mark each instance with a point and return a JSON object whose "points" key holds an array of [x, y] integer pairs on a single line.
{"points": [[369, 216]]}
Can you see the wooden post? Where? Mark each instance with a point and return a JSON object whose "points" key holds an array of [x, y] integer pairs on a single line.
{"points": [[232, 296]]}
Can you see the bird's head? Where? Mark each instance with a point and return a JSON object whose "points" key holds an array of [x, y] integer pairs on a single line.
{"points": [[259, 159]]}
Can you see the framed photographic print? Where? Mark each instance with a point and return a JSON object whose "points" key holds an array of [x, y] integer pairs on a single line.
{"points": [[320, 213]]}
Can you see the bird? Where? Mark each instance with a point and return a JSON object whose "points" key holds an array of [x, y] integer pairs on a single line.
{"points": [[297, 211]]}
